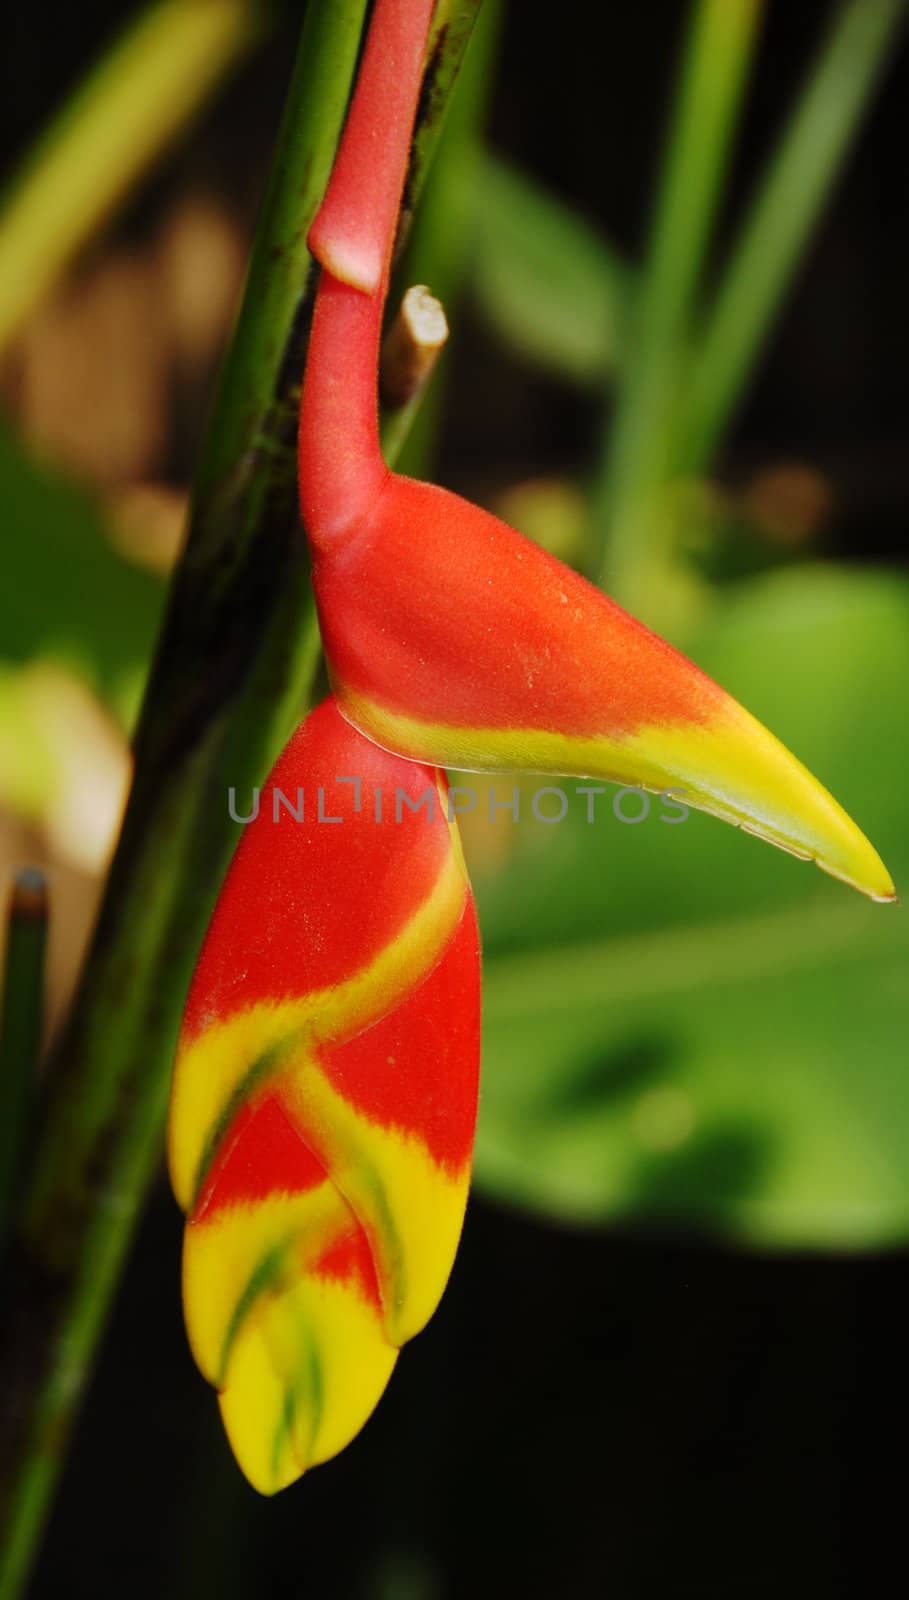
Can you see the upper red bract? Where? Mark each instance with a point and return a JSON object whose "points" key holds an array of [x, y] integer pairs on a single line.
{"points": [[307, 904]]}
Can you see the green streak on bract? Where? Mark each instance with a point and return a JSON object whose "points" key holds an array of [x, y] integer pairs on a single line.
{"points": [[265, 1274], [265, 1066]]}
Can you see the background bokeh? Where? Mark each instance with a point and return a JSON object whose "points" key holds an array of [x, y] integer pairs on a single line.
{"points": [[671, 1357]]}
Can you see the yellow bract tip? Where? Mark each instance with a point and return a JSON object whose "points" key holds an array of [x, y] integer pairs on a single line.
{"points": [[734, 768]]}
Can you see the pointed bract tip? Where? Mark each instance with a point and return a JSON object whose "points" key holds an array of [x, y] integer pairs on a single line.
{"points": [[742, 772], [877, 883]]}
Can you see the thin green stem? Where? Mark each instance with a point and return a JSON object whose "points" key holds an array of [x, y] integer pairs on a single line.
{"points": [[21, 1016], [781, 219], [156, 77], [449, 35], [433, 250], [232, 673], [718, 52], [395, 424], [439, 246]]}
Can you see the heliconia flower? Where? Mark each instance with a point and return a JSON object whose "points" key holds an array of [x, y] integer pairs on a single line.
{"points": [[449, 637], [324, 1097]]}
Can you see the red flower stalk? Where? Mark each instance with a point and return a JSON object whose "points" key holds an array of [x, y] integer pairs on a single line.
{"points": [[449, 637], [324, 1097]]}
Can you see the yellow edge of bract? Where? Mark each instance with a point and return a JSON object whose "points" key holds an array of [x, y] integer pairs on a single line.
{"points": [[381, 1174], [410, 1208], [221, 1254], [731, 767], [210, 1068]]}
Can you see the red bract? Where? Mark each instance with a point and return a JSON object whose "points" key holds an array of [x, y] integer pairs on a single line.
{"points": [[325, 1093], [449, 637], [324, 1096]]}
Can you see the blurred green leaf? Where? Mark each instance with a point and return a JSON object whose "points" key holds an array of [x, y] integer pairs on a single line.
{"points": [[65, 591], [685, 1026], [547, 281], [856, 50], [636, 458], [169, 59], [27, 769]]}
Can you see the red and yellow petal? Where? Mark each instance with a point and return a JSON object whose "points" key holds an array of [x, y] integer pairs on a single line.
{"points": [[282, 1302], [308, 1369], [453, 639], [449, 637], [324, 1096]]}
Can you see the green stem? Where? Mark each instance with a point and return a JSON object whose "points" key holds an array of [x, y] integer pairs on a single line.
{"points": [[440, 244], [232, 673], [783, 215], [447, 106], [142, 93], [718, 52], [21, 1018], [395, 423], [449, 35]]}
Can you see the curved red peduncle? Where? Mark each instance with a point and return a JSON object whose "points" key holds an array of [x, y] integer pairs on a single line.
{"points": [[341, 470], [354, 229]]}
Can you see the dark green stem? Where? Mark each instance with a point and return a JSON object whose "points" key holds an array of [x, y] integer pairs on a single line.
{"points": [[233, 672], [21, 1017], [440, 245], [452, 26]]}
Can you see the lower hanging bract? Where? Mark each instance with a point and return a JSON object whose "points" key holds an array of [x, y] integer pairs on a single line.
{"points": [[324, 1098]]}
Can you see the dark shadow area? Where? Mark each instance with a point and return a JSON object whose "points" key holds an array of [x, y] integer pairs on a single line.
{"points": [[589, 1413], [712, 1171], [610, 1077]]}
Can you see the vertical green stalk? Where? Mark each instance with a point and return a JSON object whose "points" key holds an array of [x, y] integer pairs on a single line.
{"points": [[231, 672], [21, 1017], [439, 245], [782, 217], [718, 52], [451, 31]]}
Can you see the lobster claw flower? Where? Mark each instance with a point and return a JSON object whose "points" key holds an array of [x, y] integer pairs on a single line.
{"points": [[449, 637], [324, 1097]]}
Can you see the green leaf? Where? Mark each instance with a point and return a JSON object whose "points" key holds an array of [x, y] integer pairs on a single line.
{"points": [[170, 58], [547, 281], [857, 49], [636, 458], [685, 1027]]}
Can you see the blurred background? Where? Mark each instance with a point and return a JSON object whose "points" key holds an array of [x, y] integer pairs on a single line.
{"points": [[671, 1357]]}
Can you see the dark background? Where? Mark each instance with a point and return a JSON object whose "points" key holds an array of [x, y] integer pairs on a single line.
{"points": [[589, 1413]]}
